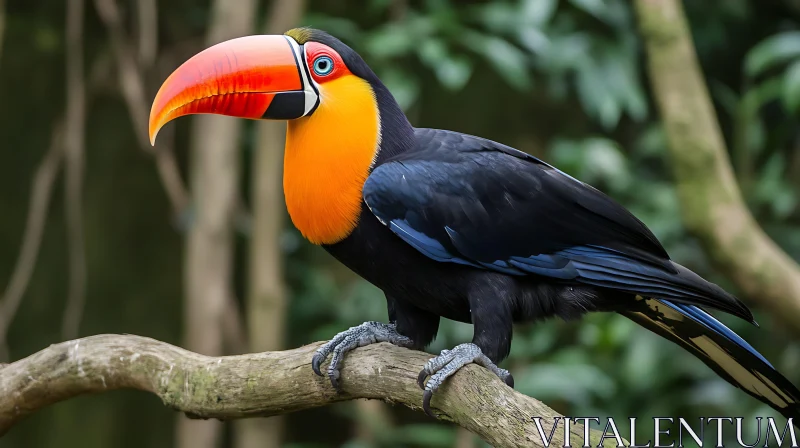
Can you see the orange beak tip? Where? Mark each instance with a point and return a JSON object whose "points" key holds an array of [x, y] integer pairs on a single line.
{"points": [[153, 128]]}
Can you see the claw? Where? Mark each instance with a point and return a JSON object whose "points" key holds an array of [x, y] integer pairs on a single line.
{"points": [[315, 362], [426, 403], [448, 363], [423, 375], [334, 376], [359, 336]]}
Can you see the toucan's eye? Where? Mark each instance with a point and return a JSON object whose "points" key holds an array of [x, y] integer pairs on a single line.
{"points": [[323, 66]]}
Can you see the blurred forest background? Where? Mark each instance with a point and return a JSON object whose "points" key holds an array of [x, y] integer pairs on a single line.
{"points": [[189, 242]]}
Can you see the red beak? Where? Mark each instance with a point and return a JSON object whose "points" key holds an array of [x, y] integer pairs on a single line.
{"points": [[249, 77]]}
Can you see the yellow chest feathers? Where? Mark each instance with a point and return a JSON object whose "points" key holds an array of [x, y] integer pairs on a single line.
{"points": [[327, 160]]}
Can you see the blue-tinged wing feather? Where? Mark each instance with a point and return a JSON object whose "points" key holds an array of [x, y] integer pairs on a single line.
{"points": [[718, 347], [471, 201], [710, 322]]}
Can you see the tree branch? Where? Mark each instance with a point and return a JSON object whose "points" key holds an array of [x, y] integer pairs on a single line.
{"points": [[711, 203], [266, 384]]}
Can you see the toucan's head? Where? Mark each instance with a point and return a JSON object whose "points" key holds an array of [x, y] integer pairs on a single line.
{"points": [[279, 77], [341, 118]]}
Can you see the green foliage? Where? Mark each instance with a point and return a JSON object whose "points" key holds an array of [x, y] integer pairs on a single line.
{"points": [[791, 87], [519, 40], [771, 71], [772, 51]]}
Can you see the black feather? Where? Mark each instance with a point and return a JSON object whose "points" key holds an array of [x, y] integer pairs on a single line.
{"points": [[471, 201], [465, 228]]}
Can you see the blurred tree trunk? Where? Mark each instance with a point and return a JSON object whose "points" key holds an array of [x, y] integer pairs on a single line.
{"points": [[74, 152], [41, 193], [464, 438], [373, 422], [711, 202], [133, 61], [215, 176], [266, 295]]}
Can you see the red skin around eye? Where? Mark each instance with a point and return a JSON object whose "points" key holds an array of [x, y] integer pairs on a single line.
{"points": [[315, 50]]}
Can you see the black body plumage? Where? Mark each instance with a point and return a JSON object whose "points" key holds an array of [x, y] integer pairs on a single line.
{"points": [[468, 229]]}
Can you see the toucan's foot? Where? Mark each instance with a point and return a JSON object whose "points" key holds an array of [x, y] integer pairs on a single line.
{"points": [[364, 334], [447, 363]]}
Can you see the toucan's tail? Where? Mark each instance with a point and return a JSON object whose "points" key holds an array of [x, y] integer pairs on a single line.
{"points": [[730, 356]]}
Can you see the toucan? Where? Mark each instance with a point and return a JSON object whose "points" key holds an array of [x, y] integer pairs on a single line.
{"points": [[450, 225]]}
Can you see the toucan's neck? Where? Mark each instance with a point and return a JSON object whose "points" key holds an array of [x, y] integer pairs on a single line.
{"points": [[397, 134], [330, 153]]}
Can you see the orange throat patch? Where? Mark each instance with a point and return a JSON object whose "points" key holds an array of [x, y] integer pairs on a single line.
{"points": [[328, 158]]}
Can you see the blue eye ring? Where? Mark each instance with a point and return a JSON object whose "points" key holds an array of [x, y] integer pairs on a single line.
{"points": [[323, 66]]}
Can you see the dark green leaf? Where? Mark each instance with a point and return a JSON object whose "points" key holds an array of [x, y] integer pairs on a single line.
{"points": [[452, 71], [404, 86], [791, 87], [538, 12], [390, 41], [772, 51], [509, 61]]}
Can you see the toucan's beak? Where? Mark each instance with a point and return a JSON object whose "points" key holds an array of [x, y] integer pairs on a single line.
{"points": [[249, 77]]}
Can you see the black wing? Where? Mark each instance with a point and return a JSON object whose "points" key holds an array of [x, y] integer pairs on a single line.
{"points": [[463, 199]]}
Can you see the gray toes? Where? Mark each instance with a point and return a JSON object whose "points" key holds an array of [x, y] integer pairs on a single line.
{"points": [[438, 378], [448, 363], [364, 334], [345, 346], [322, 353], [334, 375]]}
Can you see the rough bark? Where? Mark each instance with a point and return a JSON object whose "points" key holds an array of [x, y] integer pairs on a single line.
{"points": [[215, 177], [711, 202], [270, 383], [266, 296]]}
